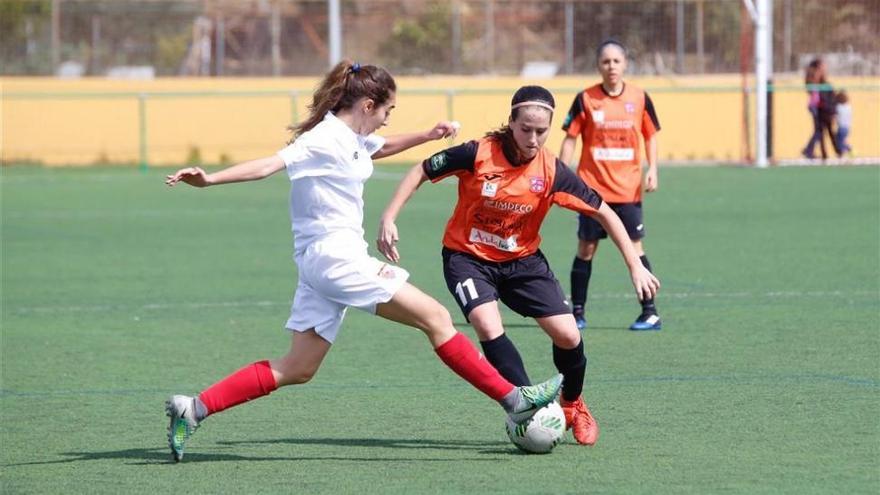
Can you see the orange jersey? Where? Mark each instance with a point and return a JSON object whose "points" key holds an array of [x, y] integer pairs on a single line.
{"points": [[610, 128], [500, 206]]}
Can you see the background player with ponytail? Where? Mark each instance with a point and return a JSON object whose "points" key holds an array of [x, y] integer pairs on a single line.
{"points": [[611, 118], [327, 163]]}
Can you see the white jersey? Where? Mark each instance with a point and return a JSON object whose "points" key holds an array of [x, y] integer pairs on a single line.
{"points": [[844, 115], [327, 167]]}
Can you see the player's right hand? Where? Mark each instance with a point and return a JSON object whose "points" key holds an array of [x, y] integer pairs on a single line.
{"points": [[193, 176], [386, 242], [645, 283]]}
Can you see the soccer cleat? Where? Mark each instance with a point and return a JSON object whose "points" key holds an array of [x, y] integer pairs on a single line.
{"points": [[182, 411], [579, 420], [647, 322], [534, 397], [579, 318]]}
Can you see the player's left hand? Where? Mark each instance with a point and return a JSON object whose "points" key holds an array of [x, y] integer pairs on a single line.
{"points": [[386, 242], [645, 283], [651, 179], [444, 129]]}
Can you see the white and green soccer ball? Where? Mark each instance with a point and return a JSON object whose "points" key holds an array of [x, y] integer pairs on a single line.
{"points": [[541, 433]]}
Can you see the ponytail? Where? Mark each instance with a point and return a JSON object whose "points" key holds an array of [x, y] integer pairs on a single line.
{"points": [[344, 85]]}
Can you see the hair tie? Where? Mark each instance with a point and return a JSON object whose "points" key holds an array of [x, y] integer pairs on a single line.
{"points": [[355, 67]]}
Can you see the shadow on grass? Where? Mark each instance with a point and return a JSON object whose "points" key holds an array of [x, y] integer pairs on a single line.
{"points": [[533, 325], [148, 457], [487, 451], [388, 443]]}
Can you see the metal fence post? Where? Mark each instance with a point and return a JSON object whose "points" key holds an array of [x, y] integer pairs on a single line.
{"points": [[294, 111], [142, 130], [450, 104], [569, 37]]}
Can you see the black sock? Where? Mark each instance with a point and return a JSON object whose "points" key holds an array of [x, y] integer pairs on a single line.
{"points": [[648, 307], [580, 281], [572, 363], [502, 354]]}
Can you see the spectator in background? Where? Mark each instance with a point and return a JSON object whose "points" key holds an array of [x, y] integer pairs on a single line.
{"points": [[811, 79], [826, 112], [843, 111], [821, 105]]}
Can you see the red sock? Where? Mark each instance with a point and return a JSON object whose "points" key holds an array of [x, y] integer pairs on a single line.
{"points": [[253, 381], [466, 361]]}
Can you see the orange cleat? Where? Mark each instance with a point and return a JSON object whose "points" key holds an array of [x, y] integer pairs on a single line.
{"points": [[580, 421]]}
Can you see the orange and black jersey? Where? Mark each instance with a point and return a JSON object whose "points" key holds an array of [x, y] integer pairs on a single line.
{"points": [[501, 206], [610, 128]]}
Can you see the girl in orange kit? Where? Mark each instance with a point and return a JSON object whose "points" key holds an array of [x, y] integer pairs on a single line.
{"points": [[611, 118], [507, 182]]}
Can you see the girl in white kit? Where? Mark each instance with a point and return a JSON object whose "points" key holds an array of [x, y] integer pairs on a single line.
{"points": [[327, 163]]}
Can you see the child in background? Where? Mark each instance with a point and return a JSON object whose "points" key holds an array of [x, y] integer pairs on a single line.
{"points": [[844, 121]]}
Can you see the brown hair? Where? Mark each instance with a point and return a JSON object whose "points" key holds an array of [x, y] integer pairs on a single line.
{"points": [[504, 134], [344, 85], [815, 72]]}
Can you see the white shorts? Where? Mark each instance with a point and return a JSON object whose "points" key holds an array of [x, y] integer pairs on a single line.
{"points": [[331, 280]]}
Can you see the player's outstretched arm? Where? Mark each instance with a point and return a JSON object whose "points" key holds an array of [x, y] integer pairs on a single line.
{"points": [[386, 242], [242, 172], [644, 282], [401, 142]]}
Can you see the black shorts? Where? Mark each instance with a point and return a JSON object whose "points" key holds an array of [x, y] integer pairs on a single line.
{"points": [[525, 285], [630, 214]]}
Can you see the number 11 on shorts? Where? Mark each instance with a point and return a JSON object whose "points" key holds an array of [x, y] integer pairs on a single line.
{"points": [[471, 291]]}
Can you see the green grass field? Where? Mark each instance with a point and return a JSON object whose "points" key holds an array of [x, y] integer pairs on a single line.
{"points": [[117, 291]]}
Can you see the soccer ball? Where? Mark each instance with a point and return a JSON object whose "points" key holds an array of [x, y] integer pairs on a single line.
{"points": [[541, 433]]}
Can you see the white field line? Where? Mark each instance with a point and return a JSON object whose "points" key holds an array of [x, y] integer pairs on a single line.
{"points": [[818, 162], [145, 307], [75, 214], [379, 174], [123, 214], [257, 304], [63, 177]]}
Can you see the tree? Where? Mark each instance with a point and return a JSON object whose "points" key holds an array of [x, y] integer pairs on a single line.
{"points": [[24, 24]]}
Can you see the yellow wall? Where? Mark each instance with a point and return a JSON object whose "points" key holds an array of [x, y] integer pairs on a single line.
{"points": [[97, 128]]}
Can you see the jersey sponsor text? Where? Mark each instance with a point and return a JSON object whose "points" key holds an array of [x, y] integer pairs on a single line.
{"points": [[504, 244], [614, 154], [615, 124], [509, 206]]}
